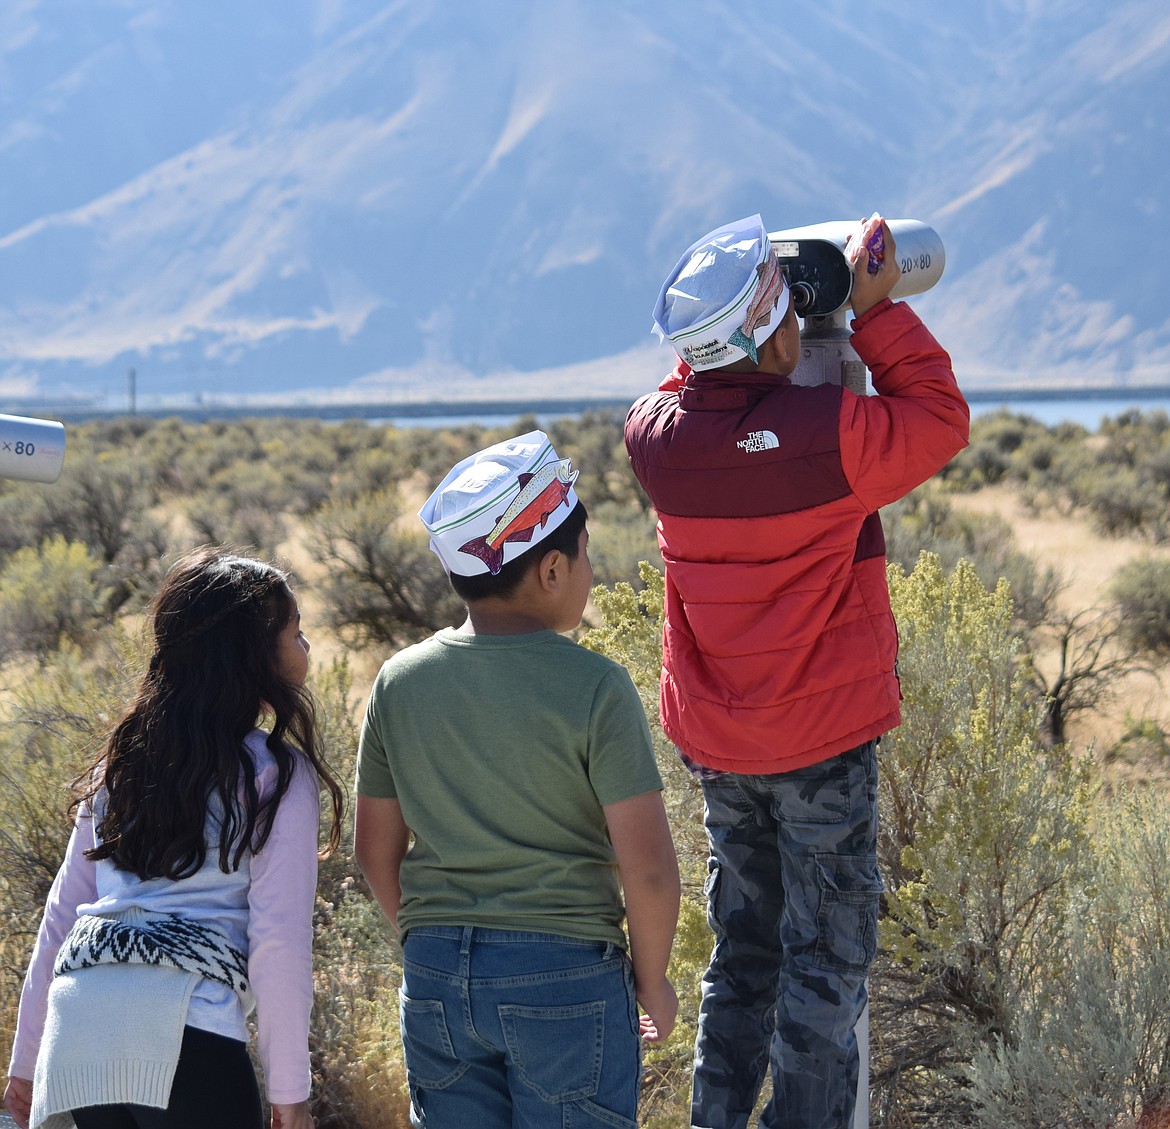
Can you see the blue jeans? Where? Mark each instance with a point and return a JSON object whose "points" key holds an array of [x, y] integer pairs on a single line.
{"points": [[793, 890], [508, 1030]]}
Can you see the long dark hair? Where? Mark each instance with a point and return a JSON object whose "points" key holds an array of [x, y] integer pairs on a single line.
{"points": [[179, 749]]}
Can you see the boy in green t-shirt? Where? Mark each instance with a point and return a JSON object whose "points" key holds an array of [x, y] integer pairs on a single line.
{"points": [[507, 799]]}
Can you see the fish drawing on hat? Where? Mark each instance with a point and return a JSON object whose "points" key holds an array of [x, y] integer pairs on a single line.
{"points": [[759, 312], [540, 495]]}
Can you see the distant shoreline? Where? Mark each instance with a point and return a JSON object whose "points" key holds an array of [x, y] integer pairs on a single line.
{"points": [[1112, 392], [456, 409], [466, 409]]}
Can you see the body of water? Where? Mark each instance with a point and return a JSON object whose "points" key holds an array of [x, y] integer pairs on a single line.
{"points": [[1088, 410]]}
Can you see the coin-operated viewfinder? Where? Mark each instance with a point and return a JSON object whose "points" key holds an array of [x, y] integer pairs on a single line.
{"points": [[814, 262]]}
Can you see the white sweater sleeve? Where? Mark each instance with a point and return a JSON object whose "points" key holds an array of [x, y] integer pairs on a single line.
{"points": [[74, 885], [280, 937]]}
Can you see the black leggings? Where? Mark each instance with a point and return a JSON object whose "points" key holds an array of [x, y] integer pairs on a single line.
{"points": [[215, 1084]]}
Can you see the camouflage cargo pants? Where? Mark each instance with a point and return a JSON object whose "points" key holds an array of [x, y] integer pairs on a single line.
{"points": [[793, 891]]}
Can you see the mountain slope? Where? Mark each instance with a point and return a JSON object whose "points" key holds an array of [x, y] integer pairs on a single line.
{"points": [[423, 198]]}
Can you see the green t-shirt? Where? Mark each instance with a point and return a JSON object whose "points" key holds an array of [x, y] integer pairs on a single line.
{"points": [[501, 751]]}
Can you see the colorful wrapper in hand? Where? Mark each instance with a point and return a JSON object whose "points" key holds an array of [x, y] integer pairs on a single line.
{"points": [[868, 241]]}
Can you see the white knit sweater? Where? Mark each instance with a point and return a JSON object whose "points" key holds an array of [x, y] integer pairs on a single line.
{"points": [[112, 1035]]}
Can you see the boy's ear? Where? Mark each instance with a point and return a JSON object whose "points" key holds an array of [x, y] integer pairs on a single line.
{"points": [[551, 568], [787, 344]]}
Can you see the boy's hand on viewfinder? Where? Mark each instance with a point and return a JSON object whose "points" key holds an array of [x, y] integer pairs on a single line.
{"points": [[660, 1004], [869, 289]]}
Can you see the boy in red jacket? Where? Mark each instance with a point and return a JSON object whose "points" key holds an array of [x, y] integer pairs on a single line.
{"points": [[779, 649]]}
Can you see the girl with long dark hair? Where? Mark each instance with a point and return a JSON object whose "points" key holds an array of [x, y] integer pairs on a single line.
{"points": [[186, 894]]}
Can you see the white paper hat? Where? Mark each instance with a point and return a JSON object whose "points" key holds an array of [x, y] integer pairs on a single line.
{"points": [[498, 503], [724, 298]]}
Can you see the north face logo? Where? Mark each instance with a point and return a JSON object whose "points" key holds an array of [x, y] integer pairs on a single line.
{"points": [[759, 441]]}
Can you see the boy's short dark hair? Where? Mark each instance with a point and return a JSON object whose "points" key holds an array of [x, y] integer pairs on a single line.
{"points": [[566, 537]]}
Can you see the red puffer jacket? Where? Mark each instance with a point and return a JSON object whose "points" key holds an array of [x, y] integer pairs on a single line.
{"points": [[779, 644]]}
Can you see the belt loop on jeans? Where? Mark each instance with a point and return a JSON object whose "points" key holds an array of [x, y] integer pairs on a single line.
{"points": [[465, 942]]}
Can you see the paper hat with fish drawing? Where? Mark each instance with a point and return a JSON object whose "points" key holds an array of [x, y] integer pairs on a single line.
{"points": [[498, 503], [725, 297]]}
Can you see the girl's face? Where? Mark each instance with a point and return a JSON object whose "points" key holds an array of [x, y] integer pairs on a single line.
{"points": [[292, 650]]}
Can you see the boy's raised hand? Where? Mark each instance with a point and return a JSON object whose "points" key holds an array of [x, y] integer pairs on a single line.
{"points": [[869, 289]]}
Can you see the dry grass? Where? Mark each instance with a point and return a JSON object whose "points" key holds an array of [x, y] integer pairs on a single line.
{"points": [[1086, 563]]}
